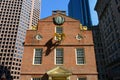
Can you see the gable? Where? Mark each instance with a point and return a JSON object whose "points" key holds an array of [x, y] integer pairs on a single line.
{"points": [[50, 18]]}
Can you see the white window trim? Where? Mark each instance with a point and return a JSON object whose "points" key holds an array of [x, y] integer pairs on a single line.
{"points": [[55, 58], [34, 57], [55, 32], [76, 56]]}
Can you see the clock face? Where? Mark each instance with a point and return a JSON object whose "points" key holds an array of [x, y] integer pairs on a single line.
{"points": [[59, 20], [38, 37]]}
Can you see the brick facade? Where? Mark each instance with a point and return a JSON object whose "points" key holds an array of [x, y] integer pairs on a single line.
{"points": [[71, 28]]}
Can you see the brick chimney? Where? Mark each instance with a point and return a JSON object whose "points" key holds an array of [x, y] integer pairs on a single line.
{"points": [[58, 11]]}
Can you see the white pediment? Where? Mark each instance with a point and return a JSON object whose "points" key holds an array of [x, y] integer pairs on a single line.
{"points": [[59, 71]]}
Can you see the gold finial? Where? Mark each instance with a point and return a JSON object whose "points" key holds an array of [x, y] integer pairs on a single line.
{"points": [[83, 27], [34, 27], [59, 36]]}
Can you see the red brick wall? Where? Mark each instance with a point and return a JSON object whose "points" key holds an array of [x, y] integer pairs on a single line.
{"points": [[69, 60], [46, 28]]}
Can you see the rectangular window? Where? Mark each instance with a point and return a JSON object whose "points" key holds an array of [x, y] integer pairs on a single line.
{"points": [[82, 79], [59, 56], [59, 29], [80, 55], [38, 56], [36, 78]]}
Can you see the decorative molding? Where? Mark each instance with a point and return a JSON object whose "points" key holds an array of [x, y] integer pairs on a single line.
{"points": [[38, 37]]}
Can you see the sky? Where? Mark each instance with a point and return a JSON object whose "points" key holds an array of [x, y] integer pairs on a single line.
{"points": [[48, 6]]}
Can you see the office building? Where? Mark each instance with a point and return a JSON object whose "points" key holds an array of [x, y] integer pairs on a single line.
{"points": [[35, 12], [79, 9], [98, 47], [109, 25], [60, 48], [15, 17]]}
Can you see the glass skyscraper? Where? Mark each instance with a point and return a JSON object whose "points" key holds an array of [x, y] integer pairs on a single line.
{"points": [[79, 9], [16, 16]]}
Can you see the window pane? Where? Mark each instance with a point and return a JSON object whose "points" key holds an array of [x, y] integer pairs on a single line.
{"points": [[59, 56], [80, 52], [38, 52], [38, 49], [36, 78], [59, 29], [81, 78], [59, 52], [59, 61], [80, 56], [38, 56], [37, 61], [80, 60]]}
